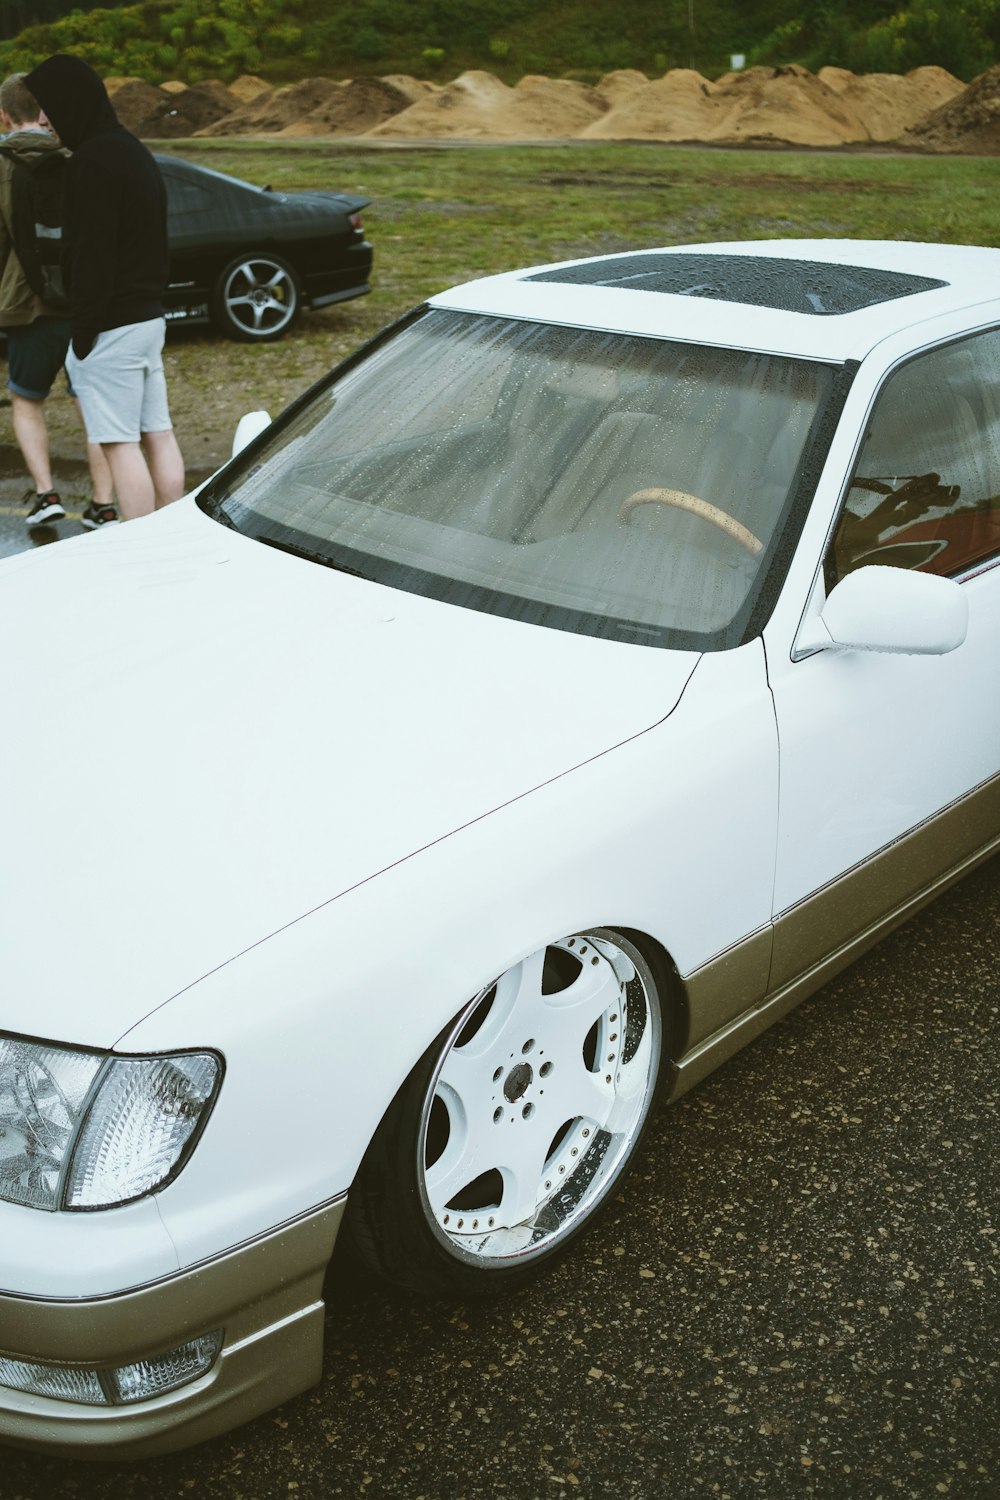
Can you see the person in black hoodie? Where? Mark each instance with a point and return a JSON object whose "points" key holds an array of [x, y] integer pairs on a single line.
{"points": [[116, 264]]}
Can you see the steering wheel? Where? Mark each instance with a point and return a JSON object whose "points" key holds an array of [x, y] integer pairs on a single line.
{"points": [[681, 500]]}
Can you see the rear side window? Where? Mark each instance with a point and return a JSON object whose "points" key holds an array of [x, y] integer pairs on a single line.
{"points": [[184, 196], [926, 490]]}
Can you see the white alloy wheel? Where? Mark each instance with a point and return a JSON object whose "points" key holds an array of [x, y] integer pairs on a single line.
{"points": [[514, 1127]]}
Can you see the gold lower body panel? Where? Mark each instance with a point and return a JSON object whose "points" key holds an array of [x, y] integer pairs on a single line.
{"points": [[266, 1295], [816, 939]]}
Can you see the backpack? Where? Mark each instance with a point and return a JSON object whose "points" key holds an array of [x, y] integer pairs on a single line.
{"points": [[38, 183]]}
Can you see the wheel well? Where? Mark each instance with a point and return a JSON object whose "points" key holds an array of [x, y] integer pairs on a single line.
{"points": [[667, 975]]}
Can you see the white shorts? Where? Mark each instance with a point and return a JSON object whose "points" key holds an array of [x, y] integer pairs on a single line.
{"points": [[121, 385]]}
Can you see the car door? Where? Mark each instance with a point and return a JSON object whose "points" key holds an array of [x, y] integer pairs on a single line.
{"points": [[189, 209], [889, 762]]}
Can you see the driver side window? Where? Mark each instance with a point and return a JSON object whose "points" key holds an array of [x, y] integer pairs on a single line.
{"points": [[926, 490]]}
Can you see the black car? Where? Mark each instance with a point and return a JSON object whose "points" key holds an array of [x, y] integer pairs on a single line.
{"points": [[248, 259]]}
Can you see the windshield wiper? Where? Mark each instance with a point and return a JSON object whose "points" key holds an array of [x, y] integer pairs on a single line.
{"points": [[216, 513], [316, 557]]}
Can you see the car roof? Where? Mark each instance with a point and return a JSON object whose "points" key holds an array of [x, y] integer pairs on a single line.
{"points": [[820, 299], [182, 168]]}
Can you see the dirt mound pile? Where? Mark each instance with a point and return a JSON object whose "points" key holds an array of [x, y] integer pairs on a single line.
{"points": [[927, 108], [358, 106], [192, 110], [680, 106], [477, 106], [469, 108], [271, 113], [248, 86], [138, 105], [969, 123], [172, 110], [115, 83], [790, 106], [550, 108], [889, 103], [617, 86], [767, 105]]}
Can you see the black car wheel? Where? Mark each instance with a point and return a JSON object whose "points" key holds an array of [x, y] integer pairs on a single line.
{"points": [[256, 298], [515, 1126]]}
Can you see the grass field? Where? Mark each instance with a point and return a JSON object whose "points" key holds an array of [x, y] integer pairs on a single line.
{"points": [[442, 214]]}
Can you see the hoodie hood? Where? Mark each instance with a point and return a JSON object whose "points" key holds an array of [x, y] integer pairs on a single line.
{"points": [[73, 97], [25, 144]]}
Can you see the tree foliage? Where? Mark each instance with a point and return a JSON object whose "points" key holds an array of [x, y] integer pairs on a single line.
{"points": [[286, 39], [881, 36]]}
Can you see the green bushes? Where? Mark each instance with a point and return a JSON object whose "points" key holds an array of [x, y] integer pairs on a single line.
{"points": [[881, 36], [584, 38]]}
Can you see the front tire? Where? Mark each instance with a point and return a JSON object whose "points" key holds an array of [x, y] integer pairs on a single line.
{"points": [[256, 298], [507, 1138]]}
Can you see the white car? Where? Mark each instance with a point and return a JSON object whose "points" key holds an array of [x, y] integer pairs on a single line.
{"points": [[586, 671]]}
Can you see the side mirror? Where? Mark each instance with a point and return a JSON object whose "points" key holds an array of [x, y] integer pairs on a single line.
{"points": [[891, 610], [249, 426]]}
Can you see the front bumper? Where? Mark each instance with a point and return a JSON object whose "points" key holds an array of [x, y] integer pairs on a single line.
{"points": [[267, 1297]]}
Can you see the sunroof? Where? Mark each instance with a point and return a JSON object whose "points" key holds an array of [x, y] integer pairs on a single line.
{"points": [[802, 286]]}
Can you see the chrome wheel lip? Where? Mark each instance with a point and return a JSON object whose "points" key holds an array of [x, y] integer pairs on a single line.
{"points": [[588, 1161]]}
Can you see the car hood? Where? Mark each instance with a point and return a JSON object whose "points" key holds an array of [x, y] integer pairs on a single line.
{"points": [[210, 739]]}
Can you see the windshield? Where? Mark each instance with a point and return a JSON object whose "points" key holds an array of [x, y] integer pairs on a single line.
{"points": [[625, 487]]}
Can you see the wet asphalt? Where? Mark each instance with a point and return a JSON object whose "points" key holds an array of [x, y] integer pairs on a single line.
{"points": [[72, 481], [794, 1294], [14, 486]]}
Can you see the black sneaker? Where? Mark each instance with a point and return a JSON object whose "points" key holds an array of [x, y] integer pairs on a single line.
{"points": [[45, 510], [99, 515]]}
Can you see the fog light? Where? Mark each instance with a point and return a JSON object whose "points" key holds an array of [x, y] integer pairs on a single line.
{"points": [[52, 1380], [118, 1387], [151, 1377]]}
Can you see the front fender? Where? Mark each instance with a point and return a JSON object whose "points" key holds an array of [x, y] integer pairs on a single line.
{"points": [[671, 834]]}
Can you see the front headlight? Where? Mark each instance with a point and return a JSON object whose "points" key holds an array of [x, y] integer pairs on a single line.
{"points": [[80, 1130]]}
